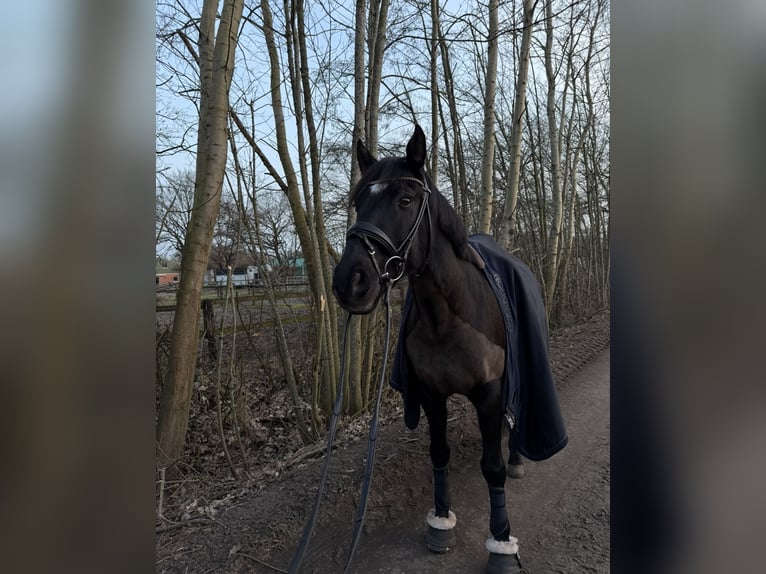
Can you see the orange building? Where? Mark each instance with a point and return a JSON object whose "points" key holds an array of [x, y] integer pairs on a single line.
{"points": [[164, 279]]}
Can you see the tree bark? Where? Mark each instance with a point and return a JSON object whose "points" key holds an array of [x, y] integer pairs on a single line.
{"points": [[210, 330], [378, 22], [488, 154], [293, 62], [359, 107], [599, 260], [460, 186], [320, 233], [309, 247], [216, 63], [434, 170], [550, 264], [254, 241], [508, 227], [361, 124]]}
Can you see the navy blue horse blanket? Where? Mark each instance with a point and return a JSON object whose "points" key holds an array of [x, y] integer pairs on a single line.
{"points": [[528, 390]]}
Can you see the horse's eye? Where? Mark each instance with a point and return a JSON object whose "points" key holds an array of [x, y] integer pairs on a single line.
{"points": [[404, 202]]}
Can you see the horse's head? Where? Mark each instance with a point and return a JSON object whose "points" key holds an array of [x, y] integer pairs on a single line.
{"points": [[392, 234]]}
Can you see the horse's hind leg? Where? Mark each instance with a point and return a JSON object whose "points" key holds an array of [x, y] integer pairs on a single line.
{"points": [[503, 547], [441, 520]]}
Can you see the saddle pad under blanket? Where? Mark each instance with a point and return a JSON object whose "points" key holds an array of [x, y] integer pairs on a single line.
{"points": [[528, 388]]}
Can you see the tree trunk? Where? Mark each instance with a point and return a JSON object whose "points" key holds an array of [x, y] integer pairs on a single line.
{"points": [[451, 168], [360, 346], [377, 43], [598, 260], [359, 107], [255, 243], [361, 124], [320, 232], [460, 187], [301, 90], [488, 155], [568, 244], [434, 93], [309, 247], [550, 264], [508, 227], [208, 315], [216, 62], [293, 61]]}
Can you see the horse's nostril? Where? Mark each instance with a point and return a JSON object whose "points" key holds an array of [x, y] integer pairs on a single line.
{"points": [[358, 283]]}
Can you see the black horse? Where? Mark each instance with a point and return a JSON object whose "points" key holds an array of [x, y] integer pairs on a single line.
{"points": [[473, 324]]}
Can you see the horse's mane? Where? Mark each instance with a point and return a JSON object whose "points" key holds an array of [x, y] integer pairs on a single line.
{"points": [[449, 223]]}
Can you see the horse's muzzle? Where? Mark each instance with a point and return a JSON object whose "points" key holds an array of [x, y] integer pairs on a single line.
{"points": [[356, 285]]}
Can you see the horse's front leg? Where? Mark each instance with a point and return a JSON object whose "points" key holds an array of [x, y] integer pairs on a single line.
{"points": [[503, 547], [440, 519], [515, 462]]}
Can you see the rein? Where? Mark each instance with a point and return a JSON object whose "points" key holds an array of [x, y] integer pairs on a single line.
{"points": [[393, 270], [364, 494], [295, 563]]}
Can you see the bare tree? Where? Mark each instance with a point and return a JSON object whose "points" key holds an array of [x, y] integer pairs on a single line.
{"points": [[326, 301], [253, 239], [554, 232], [273, 215], [308, 240], [434, 92], [226, 247], [376, 42], [359, 106], [173, 209], [361, 344], [216, 65], [488, 152], [508, 225], [458, 177]]}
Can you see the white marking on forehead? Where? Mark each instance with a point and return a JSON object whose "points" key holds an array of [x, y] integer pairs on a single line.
{"points": [[377, 187]]}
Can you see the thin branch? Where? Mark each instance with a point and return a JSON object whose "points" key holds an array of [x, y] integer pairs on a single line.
{"points": [[248, 136], [259, 561]]}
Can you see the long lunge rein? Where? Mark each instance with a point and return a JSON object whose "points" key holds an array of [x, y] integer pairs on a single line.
{"points": [[393, 270], [295, 564]]}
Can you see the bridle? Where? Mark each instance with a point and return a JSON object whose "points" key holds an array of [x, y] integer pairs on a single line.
{"points": [[393, 269]]}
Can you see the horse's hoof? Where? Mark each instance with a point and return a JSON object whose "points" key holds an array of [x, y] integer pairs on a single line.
{"points": [[440, 541], [516, 470], [441, 531], [503, 557], [503, 564]]}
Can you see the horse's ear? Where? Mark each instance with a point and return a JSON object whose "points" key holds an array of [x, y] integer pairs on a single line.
{"points": [[363, 156], [416, 149]]}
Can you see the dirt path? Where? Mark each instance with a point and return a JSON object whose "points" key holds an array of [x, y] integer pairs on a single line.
{"points": [[559, 511]]}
